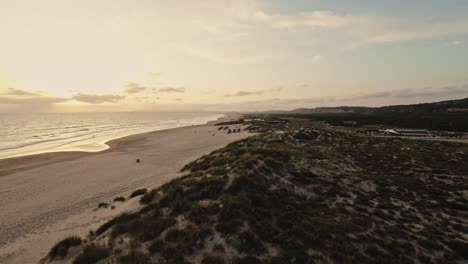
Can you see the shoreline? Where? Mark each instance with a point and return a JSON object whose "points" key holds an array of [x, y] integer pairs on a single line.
{"points": [[17, 164], [105, 144], [49, 196]]}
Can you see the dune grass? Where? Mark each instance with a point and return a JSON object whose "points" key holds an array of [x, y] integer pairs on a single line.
{"points": [[309, 195], [91, 254], [60, 250], [137, 193]]}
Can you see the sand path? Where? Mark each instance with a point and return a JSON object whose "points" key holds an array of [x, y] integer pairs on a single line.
{"points": [[47, 197]]}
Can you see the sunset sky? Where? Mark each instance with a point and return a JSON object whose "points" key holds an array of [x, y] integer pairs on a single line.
{"points": [[131, 55]]}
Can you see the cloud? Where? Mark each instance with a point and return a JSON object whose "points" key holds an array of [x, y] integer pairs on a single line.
{"points": [[371, 95], [97, 99], [278, 89], [258, 92], [32, 100], [401, 96], [410, 30], [245, 93], [170, 90], [18, 92], [133, 88], [314, 19], [364, 28], [29, 103]]}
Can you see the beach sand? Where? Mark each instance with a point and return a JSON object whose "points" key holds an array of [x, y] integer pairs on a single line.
{"points": [[47, 197]]}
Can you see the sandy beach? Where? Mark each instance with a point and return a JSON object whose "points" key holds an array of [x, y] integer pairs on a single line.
{"points": [[47, 197]]}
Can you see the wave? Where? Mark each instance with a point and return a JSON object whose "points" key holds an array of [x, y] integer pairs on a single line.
{"points": [[89, 138]]}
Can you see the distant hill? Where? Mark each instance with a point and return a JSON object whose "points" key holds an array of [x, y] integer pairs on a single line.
{"points": [[334, 110], [444, 116], [437, 107]]}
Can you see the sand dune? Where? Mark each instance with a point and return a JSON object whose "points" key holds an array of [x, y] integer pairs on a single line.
{"points": [[47, 197]]}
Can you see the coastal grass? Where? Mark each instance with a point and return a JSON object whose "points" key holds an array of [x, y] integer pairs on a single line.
{"points": [[308, 194], [137, 193], [60, 250], [119, 199], [91, 254]]}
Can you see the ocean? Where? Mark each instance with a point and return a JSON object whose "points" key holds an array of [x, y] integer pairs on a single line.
{"points": [[27, 134]]}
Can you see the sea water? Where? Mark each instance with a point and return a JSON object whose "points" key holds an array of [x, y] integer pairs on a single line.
{"points": [[27, 134]]}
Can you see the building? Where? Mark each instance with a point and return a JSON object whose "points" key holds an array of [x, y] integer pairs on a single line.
{"points": [[414, 133]]}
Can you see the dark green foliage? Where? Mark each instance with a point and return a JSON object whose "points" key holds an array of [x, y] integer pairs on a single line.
{"points": [[103, 205], [119, 199], [212, 259], [249, 243], [135, 257], [147, 198], [137, 193], [433, 116], [180, 242], [460, 248], [119, 219], [144, 229], [190, 238], [60, 250], [313, 195], [249, 260], [92, 254]]}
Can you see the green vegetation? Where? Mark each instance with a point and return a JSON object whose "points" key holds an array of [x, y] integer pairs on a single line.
{"points": [[61, 249], [441, 116], [137, 193], [431, 121], [92, 254], [304, 195], [119, 199], [103, 205]]}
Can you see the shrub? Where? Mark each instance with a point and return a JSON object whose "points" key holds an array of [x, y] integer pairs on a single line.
{"points": [[212, 259], [134, 257], [103, 228], [61, 249], [249, 260], [119, 199], [119, 219], [92, 254], [156, 246], [147, 198], [250, 243], [459, 248], [101, 205], [137, 193]]}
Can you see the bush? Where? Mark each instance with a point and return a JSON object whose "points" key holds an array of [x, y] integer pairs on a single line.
{"points": [[125, 217], [137, 193], [92, 254], [212, 259], [250, 260], [119, 199], [147, 198], [250, 243], [61, 249], [134, 257], [101, 205]]}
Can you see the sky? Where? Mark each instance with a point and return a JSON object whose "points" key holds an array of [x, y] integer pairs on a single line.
{"points": [[246, 55]]}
